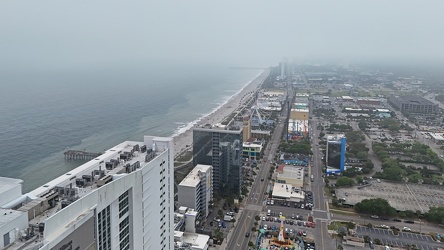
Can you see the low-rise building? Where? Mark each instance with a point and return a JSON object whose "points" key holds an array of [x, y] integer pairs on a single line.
{"points": [[292, 175], [287, 192]]}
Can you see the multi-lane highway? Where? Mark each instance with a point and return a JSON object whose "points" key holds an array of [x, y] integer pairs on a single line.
{"points": [[320, 208], [256, 198]]}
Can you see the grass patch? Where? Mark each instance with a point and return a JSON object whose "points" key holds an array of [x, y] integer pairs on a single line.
{"points": [[335, 225]]}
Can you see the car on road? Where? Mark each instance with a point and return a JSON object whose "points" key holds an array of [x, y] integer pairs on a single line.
{"points": [[247, 234], [374, 217], [397, 220], [409, 221], [385, 226], [262, 179], [407, 229]]}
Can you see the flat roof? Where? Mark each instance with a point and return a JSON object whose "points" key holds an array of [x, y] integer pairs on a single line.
{"points": [[437, 136], [193, 179], [7, 183], [292, 172], [286, 191], [8, 215], [198, 241], [415, 99]]}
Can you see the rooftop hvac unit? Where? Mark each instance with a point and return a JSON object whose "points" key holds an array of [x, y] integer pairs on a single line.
{"points": [[80, 182], [87, 178]]}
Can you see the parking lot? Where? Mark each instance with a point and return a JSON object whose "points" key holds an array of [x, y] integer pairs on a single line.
{"points": [[401, 196], [404, 238]]}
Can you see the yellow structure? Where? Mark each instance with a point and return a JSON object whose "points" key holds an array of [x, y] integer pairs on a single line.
{"points": [[246, 129], [299, 114]]}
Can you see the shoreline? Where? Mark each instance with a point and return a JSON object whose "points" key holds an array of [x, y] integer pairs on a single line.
{"points": [[183, 141]]}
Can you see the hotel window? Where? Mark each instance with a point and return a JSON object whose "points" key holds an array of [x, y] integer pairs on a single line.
{"points": [[104, 229], [123, 204]]}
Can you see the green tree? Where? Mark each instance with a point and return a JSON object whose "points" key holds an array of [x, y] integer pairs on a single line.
{"points": [[376, 206], [362, 155], [344, 181], [435, 214], [393, 173]]}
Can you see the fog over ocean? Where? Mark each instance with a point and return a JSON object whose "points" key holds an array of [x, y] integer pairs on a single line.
{"points": [[43, 113]]}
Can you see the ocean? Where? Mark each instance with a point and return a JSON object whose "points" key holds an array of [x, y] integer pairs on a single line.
{"points": [[45, 112]]}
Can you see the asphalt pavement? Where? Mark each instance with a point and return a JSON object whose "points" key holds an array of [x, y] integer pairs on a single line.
{"points": [[256, 199]]}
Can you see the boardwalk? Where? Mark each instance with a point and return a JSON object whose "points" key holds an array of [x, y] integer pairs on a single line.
{"points": [[80, 155]]}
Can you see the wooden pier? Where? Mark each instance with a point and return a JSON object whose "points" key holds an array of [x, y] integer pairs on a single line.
{"points": [[80, 155]]}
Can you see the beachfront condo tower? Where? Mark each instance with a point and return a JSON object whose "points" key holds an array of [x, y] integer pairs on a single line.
{"points": [[122, 199], [221, 148]]}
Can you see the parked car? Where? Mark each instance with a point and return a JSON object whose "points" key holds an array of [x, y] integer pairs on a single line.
{"points": [[407, 229], [374, 217], [247, 234], [396, 219], [409, 221]]}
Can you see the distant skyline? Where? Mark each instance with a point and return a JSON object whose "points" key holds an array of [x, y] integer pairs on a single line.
{"points": [[59, 34]]}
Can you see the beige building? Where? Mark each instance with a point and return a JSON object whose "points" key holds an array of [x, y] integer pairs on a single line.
{"points": [[299, 114], [246, 129]]}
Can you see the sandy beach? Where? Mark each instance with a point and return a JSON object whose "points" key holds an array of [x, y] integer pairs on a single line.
{"points": [[183, 141]]}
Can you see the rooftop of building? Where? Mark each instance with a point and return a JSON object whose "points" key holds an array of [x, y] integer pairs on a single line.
{"points": [[437, 136], [287, 191], [335, 138], [193, 177], [187, 240], [7, 183], [220, 128], [291, 172], [413, 99], [7, 215]]}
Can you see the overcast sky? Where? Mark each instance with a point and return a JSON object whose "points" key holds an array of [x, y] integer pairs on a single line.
{"points": [[54, 33]]}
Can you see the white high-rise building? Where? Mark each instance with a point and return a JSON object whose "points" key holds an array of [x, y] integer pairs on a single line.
{"points": [[195, 190], [123, 199]]}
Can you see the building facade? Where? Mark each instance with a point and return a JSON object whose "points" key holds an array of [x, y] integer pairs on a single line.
{"points": [[221, 149], [335, 154], [123, 199], [195, 190]]}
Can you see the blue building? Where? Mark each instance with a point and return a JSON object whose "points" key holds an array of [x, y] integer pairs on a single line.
{"points": [[335, 155]]}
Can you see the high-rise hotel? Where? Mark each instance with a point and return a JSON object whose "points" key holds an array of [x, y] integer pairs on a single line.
{"points": [[123, 199]]}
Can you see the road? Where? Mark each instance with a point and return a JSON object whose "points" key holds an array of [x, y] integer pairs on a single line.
{"points": [[320, 209], [256, 198], [377, 166], [320, 212]]}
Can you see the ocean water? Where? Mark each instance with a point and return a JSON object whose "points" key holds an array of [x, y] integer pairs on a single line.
{"points": [[45, 112]]}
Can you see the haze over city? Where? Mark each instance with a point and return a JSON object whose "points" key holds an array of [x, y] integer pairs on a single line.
{"points": [[237, 125], [254, 33]]}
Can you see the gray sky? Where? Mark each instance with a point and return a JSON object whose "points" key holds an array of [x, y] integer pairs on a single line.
{"points": [[54, 33]]}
